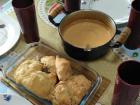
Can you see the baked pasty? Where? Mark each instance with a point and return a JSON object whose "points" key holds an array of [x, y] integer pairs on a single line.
{"points": [[25, 68], [40, 83], [63, 68], [49, 63], [70, 92], [60, 95], [78, 86]]}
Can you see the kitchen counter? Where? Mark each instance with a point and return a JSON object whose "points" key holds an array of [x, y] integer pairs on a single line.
{"points": [[105, 66]]}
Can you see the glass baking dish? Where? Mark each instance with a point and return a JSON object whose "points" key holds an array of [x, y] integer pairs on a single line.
{"points": [[36, 51]]}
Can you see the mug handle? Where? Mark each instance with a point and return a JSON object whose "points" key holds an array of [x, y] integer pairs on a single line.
{"points": [[122, 38], [56, 13]]}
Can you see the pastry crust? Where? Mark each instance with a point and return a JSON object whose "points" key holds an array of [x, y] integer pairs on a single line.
{"points": [[70, 92], [40, 83], [78, 86], [60, 95], [26, 68], [63, 68]]}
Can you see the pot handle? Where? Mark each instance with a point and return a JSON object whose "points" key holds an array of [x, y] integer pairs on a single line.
{"points": [[122, 38], [56, 13]]}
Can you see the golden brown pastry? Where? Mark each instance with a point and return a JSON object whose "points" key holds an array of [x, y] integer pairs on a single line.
{"points": [[40, 77], [40, 83], [25, 68], [70, 92], [49, 62], [63, 68], [78, 86], [61, 95]]}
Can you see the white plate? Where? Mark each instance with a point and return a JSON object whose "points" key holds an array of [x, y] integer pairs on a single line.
{"points": [[9, 35], [6, 99], [119, 10]]}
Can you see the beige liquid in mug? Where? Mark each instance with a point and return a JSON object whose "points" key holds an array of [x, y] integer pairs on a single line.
{"points": [[87, 32]]}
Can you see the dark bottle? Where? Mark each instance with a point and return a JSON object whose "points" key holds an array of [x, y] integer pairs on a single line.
{"points": [[72, 5], [26, 15]]}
